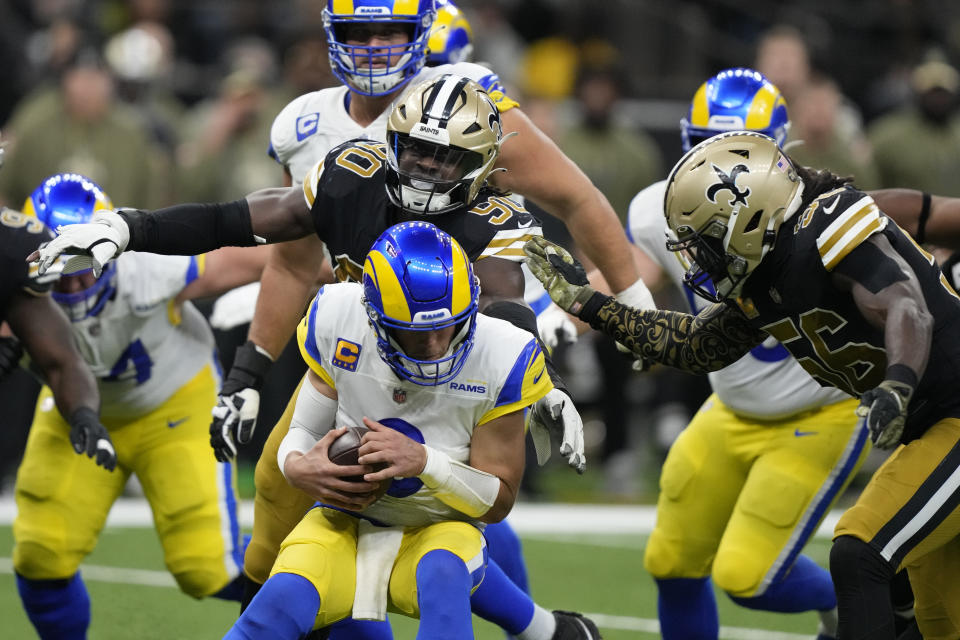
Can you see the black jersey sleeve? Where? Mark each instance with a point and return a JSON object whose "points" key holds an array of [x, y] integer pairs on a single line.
{"points": [[837, 222], [20, 235]]}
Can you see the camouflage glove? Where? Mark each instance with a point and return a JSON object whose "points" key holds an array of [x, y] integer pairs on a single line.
{"points": [[885, 409], [562, 276]]}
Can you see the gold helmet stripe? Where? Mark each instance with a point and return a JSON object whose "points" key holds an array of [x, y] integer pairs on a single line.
{"points": [[461, 298], [392, 300], [700, 110], [765, 100]]}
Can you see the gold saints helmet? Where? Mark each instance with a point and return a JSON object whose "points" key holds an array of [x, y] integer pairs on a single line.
{"points": [[443, 139], [724, 202]]}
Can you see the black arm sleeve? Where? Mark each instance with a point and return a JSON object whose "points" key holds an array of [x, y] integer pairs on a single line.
{"points": [[520, 315], [190, 229]]}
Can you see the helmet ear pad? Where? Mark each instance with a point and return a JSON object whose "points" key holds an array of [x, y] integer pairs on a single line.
{"points": [[418, 278]]}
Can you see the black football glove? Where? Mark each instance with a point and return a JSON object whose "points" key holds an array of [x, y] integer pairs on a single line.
{"points": [[10, 353], [88, 436], [235, 416], [885, 408]]}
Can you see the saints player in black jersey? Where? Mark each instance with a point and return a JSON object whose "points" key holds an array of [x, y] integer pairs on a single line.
{"points": [[803, 256], [44, 331], [443, 140]]}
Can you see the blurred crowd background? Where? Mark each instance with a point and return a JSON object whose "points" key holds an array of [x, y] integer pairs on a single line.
{"points": [[164, 101]]}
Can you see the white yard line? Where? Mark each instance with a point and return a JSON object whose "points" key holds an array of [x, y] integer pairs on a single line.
{"points": [[526, 518], [149, 578]]}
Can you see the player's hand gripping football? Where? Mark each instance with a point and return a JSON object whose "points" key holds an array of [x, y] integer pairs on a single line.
{"points": [[88, 436], [885, 408], [393, 454], [554, 413], [325, 481], [92, 244], [562, 276], [235, 416]]}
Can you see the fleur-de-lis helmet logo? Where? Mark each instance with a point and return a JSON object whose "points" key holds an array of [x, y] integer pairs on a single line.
{"points": [[729, 182]]}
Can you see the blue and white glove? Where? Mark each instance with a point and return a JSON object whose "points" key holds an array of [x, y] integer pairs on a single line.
{"points": [[555, 413], [91, 244]]}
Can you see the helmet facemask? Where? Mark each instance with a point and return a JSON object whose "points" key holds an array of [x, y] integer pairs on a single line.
{"points": [[352, 64], [429, 178], [82, 295]]}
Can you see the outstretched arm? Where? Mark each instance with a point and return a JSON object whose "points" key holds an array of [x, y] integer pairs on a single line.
{"points": [[539, 170], [928, 218], [716, 337]]}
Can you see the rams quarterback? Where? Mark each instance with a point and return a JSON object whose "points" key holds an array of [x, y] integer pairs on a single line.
{"points": [[802, 256], [443, 141], [152, 354], [443, 390], [748, 481]]}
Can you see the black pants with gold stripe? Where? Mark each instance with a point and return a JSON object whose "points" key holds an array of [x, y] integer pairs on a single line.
{"points": [[909, 515]]}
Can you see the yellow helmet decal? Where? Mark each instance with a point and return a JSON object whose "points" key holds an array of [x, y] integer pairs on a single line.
{"points": [[391, 293], [761, 107], [700, 110], [343, 6], [406, 7], [460, 298]]}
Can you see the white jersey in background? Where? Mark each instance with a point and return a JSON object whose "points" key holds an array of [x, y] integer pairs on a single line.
{"points": [[767, 383], [504, 372], [140, 347]]}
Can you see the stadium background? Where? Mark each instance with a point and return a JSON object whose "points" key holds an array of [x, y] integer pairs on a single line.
{"points": [[194, 84]]}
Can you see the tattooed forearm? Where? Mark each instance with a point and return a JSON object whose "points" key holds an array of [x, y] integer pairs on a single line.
{"points": [[701, 343]]}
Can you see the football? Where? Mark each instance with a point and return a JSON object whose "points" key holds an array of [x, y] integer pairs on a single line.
{"points": [[343, 450]]}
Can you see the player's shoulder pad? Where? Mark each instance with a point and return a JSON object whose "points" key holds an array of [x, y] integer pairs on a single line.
{"points": [[149, 279], [295, 123], [838, 221], [488, 79], [505, 221], [22, 235], [645, 217], [525, 380], [335, 307], [345, 168]]}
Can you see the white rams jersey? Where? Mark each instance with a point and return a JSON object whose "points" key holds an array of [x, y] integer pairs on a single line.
{"points": [[768, 382], [504, 372], [313, 124], [140, 347]]}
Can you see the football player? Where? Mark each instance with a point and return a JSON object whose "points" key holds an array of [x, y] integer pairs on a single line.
{"points": [[443, 141], [802, 256], [407, 355], [152, 354], [748, 481]]}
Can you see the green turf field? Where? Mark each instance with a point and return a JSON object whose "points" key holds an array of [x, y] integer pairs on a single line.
{"points": [[133, 598]]}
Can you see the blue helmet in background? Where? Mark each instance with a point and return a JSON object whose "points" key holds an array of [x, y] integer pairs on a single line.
{"points": [[351, 63], [733, 100], [418, 278], [451, 38], [70, 198]]}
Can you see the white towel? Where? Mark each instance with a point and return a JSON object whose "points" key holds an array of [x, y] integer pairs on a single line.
{"points": [[377, 549]]}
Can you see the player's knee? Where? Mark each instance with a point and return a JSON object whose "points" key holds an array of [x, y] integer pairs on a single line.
{"points": [[664, 558], [738, 573], [258, 560], [198, 582], [38, 561], [853, 562]]}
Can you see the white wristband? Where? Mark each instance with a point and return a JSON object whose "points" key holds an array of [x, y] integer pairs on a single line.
{"points": [[297, 440], [466, 489], [637, 296]]}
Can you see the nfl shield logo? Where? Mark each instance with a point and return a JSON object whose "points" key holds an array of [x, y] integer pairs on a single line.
{"points": [[399, 395]]}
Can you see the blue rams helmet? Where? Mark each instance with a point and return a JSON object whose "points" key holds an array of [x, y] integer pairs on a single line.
{"points": [[418, 278], [61, 200], [735, 99], [352, 63], [451, 38]]}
